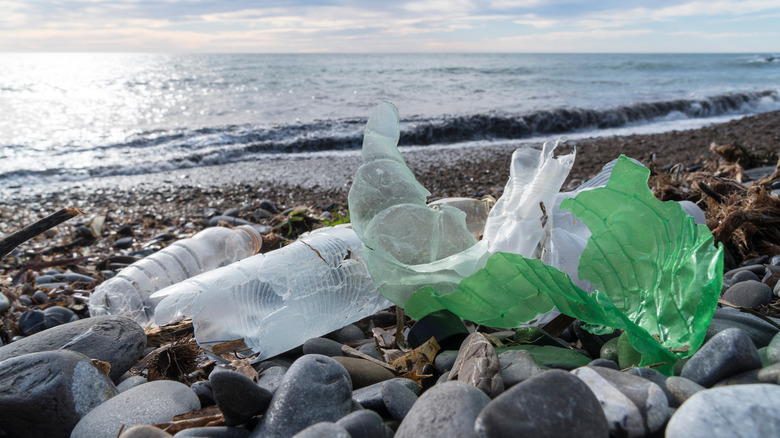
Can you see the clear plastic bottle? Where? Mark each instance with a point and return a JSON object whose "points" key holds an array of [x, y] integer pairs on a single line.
{"points": [[129, 292], [278, 300]]}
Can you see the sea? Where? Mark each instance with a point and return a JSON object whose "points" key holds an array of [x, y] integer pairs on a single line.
{"points": [[80, 116]]}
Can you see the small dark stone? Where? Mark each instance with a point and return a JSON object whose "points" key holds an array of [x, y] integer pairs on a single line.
{"points": [[230, 220], [202, 389], [347, 334], [237, 396], [363, 424], [744, 276], [323, 429], [124, 242], [759, 331], [446, 327], [40, 297], [267, 204], [748, 293], [446, 410], [32, 321], [590, 342], [606, 363], [58, 315], [398, 399], [324, 346], [728, 353], [261, 213], [214, 432]]}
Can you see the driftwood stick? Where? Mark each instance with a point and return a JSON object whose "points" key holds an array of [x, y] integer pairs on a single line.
{"points": [[12, 241]]}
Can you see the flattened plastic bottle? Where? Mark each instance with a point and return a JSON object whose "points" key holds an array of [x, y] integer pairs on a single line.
{"points": [[129, 292], [278, 300]]}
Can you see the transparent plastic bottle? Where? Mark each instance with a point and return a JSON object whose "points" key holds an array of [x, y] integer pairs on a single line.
{"points": [[278, 300], [129, 292]]}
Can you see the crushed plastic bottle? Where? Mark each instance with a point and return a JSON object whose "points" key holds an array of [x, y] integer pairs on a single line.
{"points": [[278, 300], [476, 210], [129, 293], [657, 274], [406, 243]]}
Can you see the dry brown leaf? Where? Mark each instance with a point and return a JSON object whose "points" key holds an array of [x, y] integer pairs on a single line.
{"points": [[207, 417]]}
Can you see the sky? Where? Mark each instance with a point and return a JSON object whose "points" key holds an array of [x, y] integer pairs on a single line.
{"points": [[349, 26]]}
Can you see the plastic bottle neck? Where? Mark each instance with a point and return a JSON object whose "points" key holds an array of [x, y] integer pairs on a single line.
{"points": [[254, 236]]}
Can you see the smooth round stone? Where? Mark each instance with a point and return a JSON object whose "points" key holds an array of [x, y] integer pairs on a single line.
{"points": [[214, 432], [316, 388], [32, 321], [230, 220], [609, 350], [348, 333], [744, 276], [740, 411], [370, 397], [370, 350], [518, 366], [323, 430], [445, 359], [776, 290], [655, 377], [40, 297], [130, 382], [271, 378], [728, 353], [773, 349], [645, 395], [5, 304], [770, 374], [124, 242], [202, 389], [114, 339], [47, 393], [627, 355], [682, 389], [363, 424], [324, 346], [59, 315], [144, 431], [261, 213], [267, 204], [363, 372], [760, 331], [397, 398], [775, 260], [448, 409], [150, 403], [238, 397], [745, 378], [552, 404], [748, 293]]}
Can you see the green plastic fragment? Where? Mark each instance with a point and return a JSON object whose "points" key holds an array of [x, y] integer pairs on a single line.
{"points": [[656, 273]]}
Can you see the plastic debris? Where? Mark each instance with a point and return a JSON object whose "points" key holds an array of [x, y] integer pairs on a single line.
{"points": [[129, 293], [656, 273], [476, 210], [407, 244], [278, 300]]}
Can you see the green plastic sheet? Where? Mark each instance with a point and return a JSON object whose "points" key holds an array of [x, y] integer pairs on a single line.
{"points": [[657, 274]]}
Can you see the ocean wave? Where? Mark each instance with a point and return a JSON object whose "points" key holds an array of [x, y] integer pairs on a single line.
{"points": [[164, 150]]}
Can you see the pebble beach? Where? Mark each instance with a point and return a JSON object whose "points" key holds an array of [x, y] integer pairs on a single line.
{"points": [[63, 373]]}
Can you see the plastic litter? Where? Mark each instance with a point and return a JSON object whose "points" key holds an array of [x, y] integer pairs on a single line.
{"points": [[476, 210], [657, 274], [278, 300], [129, 292], [407, 244]]}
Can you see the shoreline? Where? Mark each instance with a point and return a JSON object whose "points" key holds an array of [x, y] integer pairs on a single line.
{"points": [[320, 182]]}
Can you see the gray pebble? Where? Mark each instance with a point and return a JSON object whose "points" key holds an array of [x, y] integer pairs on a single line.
{"points": [[271, 378], [47, 393], [202, 389], [446, 410], [744, 276], [745, 378], [518, 366], [370, 349], [5, 304], [114, 339], [445, 359], [397, 398], [130, 382], [150, 403], [632, 404], [606, 363], [682, 389], [370, 397], [552, 404], [655, 377], [760, 331], [363, 424], [237, 396], [347, 334], [316, 388], [742, 411], [324, 346], [748, 293], [770, 374], [728, 353]]}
